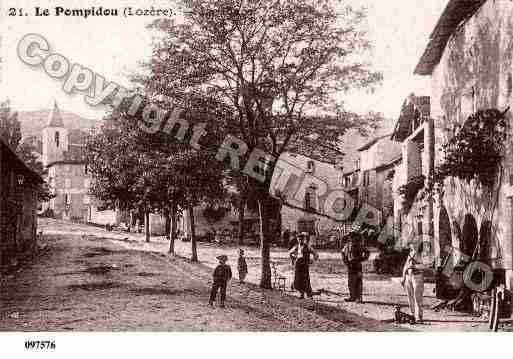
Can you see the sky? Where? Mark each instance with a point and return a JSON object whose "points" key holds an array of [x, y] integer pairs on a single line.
{"points": [[113, 47]]}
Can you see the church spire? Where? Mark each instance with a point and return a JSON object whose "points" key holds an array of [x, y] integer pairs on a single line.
{"points": [[55, 119]]}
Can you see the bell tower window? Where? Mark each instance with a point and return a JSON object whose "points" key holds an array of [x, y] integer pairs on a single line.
{"points": [[57, 138]]}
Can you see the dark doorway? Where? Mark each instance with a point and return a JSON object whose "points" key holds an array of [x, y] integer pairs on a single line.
{"points": [[444, 233], [485, 237], [469, 236]]}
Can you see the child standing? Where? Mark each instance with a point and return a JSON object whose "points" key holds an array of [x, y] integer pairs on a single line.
{"points": [[222, 274], [242, 266]]}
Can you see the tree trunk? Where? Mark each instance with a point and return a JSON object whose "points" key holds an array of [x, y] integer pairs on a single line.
{"points": [[265, 241], [167, 228], [173, 231], [242, 206], [194, 249], [147, 225]]}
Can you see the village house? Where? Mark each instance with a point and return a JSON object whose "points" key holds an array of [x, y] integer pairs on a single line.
{"points": [[369, 179], [305, 216], [63, 154], [219, 219], [299, 214], [18, 206], [469, 62]]}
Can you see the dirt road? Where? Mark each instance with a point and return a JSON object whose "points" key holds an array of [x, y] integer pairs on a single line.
{"points": [[89, 283]]}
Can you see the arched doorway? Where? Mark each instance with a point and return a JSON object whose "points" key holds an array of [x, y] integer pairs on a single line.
{"points": [[444, 233], [469, 236]]}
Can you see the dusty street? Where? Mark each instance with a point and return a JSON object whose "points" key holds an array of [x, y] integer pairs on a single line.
{"points": [[93, 284], [88, 279]]}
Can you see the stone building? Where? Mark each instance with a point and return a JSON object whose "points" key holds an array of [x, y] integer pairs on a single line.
{"points": [[309, 201], [18, 206], [369, 180], [63, 156], [228, 221], [469, 61]]}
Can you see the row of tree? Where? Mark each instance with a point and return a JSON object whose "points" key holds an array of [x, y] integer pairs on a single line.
{"points": [[270, 72]]}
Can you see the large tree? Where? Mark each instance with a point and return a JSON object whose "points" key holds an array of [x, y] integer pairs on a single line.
{"points": [[281, 67], [125, 175], [135, 169]]}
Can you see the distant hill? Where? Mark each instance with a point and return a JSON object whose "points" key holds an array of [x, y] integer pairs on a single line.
{"points": [[33, 122]]}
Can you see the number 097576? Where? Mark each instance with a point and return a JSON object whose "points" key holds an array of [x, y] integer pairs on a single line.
{"points": [[39, 344]]}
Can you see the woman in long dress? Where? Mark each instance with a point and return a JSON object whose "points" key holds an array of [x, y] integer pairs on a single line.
{"points": [[301, 253]]}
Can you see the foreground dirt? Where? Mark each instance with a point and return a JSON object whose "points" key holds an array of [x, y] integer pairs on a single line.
{"points": [[381, 292], [91, 279], [88, 283]]}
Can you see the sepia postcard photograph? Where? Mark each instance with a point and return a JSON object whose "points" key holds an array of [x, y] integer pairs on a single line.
{"points": [[293, 169]]}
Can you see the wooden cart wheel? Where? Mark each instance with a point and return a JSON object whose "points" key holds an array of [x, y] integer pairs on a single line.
{"points": [[493, 313]]}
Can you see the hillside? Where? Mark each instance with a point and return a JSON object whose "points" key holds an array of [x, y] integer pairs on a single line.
{"points": [[33, 122]]}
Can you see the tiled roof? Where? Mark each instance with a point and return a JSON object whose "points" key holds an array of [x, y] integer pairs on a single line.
{"points": [[15, 163], [454, 14], [372, 142]]}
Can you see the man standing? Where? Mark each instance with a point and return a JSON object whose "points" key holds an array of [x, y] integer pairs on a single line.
{"points": [[413, 279], [286, 238], [353, 254]]}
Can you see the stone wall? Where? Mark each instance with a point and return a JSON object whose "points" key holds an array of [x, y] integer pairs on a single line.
{"points": [[28, 223], [71, 180], [475, 73], [321, 171]]}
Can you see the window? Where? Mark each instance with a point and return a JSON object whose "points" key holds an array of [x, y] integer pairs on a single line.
{"points": [[366, 179], [67, 199], [310, 198], [85, 168], [308, 201], [468, 104], [57, 139], [310, 166]]}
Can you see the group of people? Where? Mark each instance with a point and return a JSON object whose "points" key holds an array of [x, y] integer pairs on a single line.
{"points": [[353, 253]]}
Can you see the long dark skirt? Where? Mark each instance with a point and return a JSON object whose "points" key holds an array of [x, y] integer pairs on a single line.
{"points": [[302, 276]]}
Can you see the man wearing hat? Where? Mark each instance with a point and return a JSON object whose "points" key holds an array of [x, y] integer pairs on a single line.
{"points": [[300, 255], [413, 277], [353, 254], [222, 274]]}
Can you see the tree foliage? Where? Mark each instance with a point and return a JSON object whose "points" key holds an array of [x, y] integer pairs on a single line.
{"points": [[279, 66], [135, 169], [476, 150]]}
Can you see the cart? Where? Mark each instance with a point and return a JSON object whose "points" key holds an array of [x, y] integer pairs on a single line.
{"points": [[496, 301]]}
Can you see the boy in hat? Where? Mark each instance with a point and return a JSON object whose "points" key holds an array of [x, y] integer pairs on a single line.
{"points": [[222, 274], [242, 266]]}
